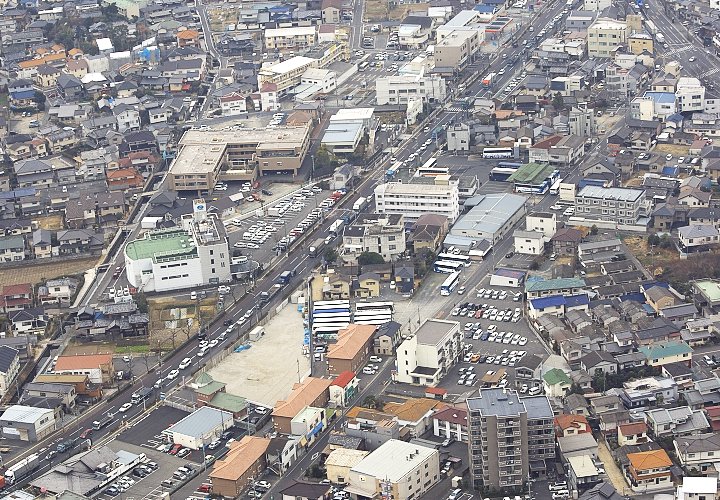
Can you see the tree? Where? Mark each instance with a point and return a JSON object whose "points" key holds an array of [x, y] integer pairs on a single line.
{"points": [[558, 102], [141, 301], [653, 240], [331, 255], [594, 230], [372, 402], [322, 157], [366, 258]]}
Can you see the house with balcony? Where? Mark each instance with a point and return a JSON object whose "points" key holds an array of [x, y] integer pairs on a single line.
{"points": [[649, 471], [699, 451], [429, 354], [451, 422], [698, 238], [632, 434], [678, 421]]}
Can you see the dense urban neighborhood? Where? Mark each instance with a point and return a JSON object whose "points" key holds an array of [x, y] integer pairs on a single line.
{"points": [[360, 249]]}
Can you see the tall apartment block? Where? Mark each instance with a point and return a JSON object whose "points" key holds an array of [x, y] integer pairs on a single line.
{"points": [[509, 437]]}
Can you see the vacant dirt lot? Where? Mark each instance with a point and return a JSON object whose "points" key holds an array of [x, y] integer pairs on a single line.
{"points": [[37, 271], [50, 222]]}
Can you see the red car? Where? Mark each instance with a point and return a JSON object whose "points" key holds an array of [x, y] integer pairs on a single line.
{"points": [[174, 450], [205, 488], [86, 433]]}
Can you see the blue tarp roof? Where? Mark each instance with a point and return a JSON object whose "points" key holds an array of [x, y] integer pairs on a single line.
{"points": [[552, 301], [674, 170], [577, 300], [25, 94]]}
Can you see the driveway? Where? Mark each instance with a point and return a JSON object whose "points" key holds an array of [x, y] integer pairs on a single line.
{"points": [[612, 470]]}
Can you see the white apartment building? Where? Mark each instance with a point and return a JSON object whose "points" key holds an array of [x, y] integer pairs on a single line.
{"points": [[430, 353], [180, 258], [380, 233], [396, 468], [458, 48], [414, 200], [290, 38], [462, 19], [581, 121], [321, 80], [653, 105], [397, 89], [689, 95], [605, 35]]}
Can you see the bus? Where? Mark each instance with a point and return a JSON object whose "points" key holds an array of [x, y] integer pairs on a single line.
{"points": [[450, 283], [365, 314], [338, 325], [498, 153], [501, 174], [330, 317], [451, 257], [373, 320], [555, 188], [374, 306], [443, 266], [430, 169], [331, 304], [362, 66], [390, 172]]}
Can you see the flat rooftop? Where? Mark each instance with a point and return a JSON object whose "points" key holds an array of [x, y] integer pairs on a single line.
{"points": [[158, 243], [433, 331], [711, 289], [393, 460], [292, 64]]}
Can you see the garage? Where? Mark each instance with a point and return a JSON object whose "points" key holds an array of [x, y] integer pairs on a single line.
{"points": [[507, 277]]}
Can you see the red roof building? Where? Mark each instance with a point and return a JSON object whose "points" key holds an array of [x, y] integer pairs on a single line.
{"points": [[571, 425], [17, 297], [713, 415], [450, 422]]}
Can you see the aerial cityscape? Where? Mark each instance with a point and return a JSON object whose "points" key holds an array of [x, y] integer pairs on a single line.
{"points": [[359, 249]]}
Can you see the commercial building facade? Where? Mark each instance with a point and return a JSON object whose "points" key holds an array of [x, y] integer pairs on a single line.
{"points": [[414, 200], [619, 205], [171, 259], [397, 89], [605, 35]]}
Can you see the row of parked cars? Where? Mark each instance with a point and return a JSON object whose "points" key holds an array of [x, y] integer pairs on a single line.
{"points": [[126, 482]]}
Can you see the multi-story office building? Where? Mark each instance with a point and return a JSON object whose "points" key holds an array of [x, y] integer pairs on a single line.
{"points": [[397, 89], [506, 432], [458, 49], [245, 153], [581, 121], [605, 35], [690, 95], [195, 254], [427, 356], [379, 233], [624, 206], [414, 200]]}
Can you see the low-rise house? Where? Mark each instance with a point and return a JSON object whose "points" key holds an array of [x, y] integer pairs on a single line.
{"points": [[571, 425], [579, 445], [311, 392], [343, 389], [65, 393], [28, 321], [649, 471], [663, 353], [386, 337], [451, 422], [556, 383], [17, 297], [648, 391], [12, 248], [697, 488], [98, 367], [698, 452], [632, 434], [599, 362], [679, 421]]}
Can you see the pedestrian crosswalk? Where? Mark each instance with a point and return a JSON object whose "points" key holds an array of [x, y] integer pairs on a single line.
{"points": [[710, 72], [676, 49], [454, 108]]}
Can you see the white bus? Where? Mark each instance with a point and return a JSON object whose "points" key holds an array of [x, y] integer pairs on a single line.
{"points": [[451, 257], [555, 188], [498, 153], [322, 316], [373, 320], [447, 267], [450, 283], [374, 306], [322, 305]]}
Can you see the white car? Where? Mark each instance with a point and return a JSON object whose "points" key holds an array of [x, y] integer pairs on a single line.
{"points": [[125, 407], [185, 363], [173, 375], [569, 211]]}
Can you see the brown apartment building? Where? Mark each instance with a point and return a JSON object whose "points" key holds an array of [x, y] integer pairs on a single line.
{"points": [[311, 392], [351, 350], [245, 461]]}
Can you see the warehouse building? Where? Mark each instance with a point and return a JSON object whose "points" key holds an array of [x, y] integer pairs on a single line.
{"points": [[200, 428], [492, 218]]}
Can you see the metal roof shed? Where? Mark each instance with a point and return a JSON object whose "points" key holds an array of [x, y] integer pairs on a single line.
{"points": [[200, 427]]}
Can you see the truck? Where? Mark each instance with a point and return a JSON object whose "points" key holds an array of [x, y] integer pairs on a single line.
{"points": [[360, 204], [316, 247], [489, 80], [284, 278], [266, 297], [336, 226], [276, 211], [652, 29], [660, 37], [141, 395], [23, 468], [103, 422]]}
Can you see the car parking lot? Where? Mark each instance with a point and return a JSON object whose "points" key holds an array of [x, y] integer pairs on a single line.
{"points": [[496, 337], [262, 236]]}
